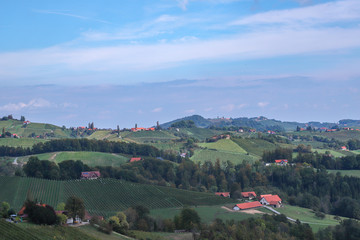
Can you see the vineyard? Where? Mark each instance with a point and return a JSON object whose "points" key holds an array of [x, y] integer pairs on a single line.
{"points": [[101, 196]]}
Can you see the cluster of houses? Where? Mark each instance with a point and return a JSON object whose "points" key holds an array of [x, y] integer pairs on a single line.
{"points": [[137, 129], [262, 200], [278, 162]]}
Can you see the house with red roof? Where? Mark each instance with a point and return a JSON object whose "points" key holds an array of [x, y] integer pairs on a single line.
{"points": [[248, 205], [281, 162], [90, 175], [223, 194], [134, 159], [249, 195], [343, 148], [273, 200]]}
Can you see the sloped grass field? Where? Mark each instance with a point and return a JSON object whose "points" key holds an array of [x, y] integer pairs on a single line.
{"points": [[20, 142], [332, 152], [90, 158], [225, 145], [102, 196], [308, 216], [202, 155], [199, 133], [208, 213], [254, 146], [148, 136], [14, 232]]}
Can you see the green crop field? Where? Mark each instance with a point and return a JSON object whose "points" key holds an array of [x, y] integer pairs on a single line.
{"points": [[102, 196], [209, 213], [254, 146], [92, 231], [225, 145], [352, 173], [20, 142], [308, 216], [202, 155], [100, 135], [198, 133]]}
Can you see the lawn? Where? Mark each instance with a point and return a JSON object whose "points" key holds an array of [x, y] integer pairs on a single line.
{"points": [[353, 173], [92, 231], [308, 216], [202, 155]]}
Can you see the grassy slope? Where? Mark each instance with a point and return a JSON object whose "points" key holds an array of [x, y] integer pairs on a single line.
{"points": [[307, 215], [103, 196], [92, 231], [254, 146], [20, 142], [226, 145], [353, 173], [89, 158], [207, 213], [332, 152], [202, 155]]}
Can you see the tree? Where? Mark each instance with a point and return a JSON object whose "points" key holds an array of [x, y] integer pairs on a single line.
{"points": [[75, 207], [4, 209], [119, 223], [189, 219], [22, 118]]}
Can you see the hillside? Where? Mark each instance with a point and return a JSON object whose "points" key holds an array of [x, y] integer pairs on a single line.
{"points": [[101, 196]]}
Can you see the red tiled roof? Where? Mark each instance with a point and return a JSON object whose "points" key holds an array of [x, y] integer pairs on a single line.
{"points": [[224, 194], [248, 194], [281, 160], [272, 198], [135, 159], [91, 174], [248, 205]]}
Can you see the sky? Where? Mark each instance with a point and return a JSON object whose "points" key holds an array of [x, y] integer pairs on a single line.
{"points": [[124, 62]]}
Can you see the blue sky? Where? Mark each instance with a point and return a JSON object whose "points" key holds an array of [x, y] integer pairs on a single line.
{"points": [[126, 62]]}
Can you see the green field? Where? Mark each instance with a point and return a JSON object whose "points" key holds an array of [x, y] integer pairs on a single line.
{"points": [[101, 196], [225, 145], [202, 155], [308, 216], [20, 142], [100, 135], [150, 136], [353, 173], [332, 152], [254, 146], [90, 158], [208, 213], [198, 133], [92, 231]]}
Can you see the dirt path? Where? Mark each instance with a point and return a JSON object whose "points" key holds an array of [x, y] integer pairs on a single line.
{"points": [[53, 156]]}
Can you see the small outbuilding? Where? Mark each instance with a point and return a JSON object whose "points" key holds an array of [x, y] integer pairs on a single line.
{"points": [[248, 205], [90, 175], [249, 195], [223, 194]]}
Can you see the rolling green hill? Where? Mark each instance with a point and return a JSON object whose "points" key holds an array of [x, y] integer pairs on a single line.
{"points": [[226, 145], [20, 142], [92, 159], [102, 196], [202, 155], [255, 146]]}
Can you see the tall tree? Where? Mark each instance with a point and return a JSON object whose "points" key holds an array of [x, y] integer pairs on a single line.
{"points": [[75, 207]]}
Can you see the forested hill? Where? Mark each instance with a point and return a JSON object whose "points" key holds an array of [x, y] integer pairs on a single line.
{"points": [[259, 123]]}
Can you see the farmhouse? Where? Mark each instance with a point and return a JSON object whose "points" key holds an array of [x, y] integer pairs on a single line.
{"points": [[223, 194], [248, 205], [344, 148], [281, 162], [273, 200], [249, 195], [134, 159], [136, 129], [90, 175]]}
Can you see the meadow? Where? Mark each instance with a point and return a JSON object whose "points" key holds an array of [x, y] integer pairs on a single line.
{"points": [[254, 146], [202, 155], [308, 216], [92, 159], [20, 142], [350, 173], [225, 145]]}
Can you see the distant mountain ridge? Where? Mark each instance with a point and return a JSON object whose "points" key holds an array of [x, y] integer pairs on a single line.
{"points": [[260, 123]]}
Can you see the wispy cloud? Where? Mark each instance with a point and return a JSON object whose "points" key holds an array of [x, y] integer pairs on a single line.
{"points": [[32, 104], [156, 110], [262, 104], [67, 14], [346, 10]]}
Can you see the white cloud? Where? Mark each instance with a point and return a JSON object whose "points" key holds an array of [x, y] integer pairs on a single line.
{"points": [[321, 13], [32, 104], [166, 18], [183, 4], [156, 110], [66, 13], [240, 106], [262, 104]]}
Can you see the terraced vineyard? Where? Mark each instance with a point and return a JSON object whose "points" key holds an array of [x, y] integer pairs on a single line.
{"points": [[101, 196], [12, 231], [226, 145], [202, 155]]}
